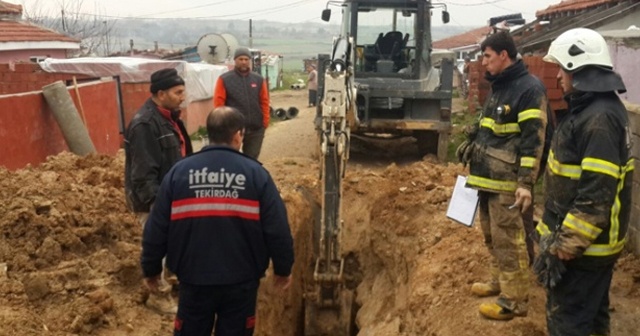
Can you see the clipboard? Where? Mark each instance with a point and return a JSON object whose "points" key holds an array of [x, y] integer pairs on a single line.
{"points": [[463, 204]]}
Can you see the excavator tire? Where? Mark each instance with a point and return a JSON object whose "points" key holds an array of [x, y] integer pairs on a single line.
{"points": [[427, 142]]}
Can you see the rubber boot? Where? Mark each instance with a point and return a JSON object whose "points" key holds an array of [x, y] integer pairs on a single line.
{"points": [[490, 288], [513, 299], [493, 311]]}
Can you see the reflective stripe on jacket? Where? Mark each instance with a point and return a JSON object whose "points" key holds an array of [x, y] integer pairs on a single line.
{"points": [[588, 177], [511, 136], [219, 219]]}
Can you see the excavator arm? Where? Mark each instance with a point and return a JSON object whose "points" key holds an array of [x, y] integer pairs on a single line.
{"points": [[328, 308]]}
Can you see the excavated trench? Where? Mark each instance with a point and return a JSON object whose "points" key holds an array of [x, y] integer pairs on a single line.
{"points": [[69, 255]]}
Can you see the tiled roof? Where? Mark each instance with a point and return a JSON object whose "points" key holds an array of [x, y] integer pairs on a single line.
{"points": [[465, 39], [573, 5], [19, 31], [540, 39], [8, 8]]}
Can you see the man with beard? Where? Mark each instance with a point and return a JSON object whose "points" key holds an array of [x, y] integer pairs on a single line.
{"points": [[246, 91], [154, 141]]}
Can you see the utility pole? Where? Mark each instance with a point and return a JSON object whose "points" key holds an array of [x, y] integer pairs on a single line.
{"points": [[250, 33], [64, 26], [106, 36]]}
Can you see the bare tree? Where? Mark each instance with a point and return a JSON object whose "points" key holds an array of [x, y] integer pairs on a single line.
{"points": [[95, 31]]}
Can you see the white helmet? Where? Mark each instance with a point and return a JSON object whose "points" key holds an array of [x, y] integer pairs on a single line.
{"points": [[578, 47]]}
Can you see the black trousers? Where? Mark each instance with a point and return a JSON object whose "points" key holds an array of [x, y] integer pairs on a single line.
{"points": [[252, 142], [232, 308], [313, 94], [579, 305]]}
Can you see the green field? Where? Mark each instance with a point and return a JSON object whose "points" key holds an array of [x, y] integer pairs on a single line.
{"points": [[294, 51]]}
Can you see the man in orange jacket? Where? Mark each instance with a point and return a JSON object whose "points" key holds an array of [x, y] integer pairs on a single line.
{"points": [[246, 91]]}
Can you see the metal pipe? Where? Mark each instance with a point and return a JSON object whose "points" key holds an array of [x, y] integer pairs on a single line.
{"points": [[292, 112], [73, 129]]}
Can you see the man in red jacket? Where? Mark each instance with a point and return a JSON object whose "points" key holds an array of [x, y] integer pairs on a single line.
{"points": [[246, 91]]}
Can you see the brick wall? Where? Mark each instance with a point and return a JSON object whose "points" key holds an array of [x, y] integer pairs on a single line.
{"points": [[27, 77], [634, 229], [29, 132], [547, 72]]}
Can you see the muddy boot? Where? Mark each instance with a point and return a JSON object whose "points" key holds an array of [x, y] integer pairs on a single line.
{"points": [[493, 311], [162, 303], [489, 288], [484, 289], [513, 299]]}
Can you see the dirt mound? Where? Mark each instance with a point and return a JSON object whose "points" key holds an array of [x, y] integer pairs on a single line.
{"points": [[69, 257], [69, 245]]}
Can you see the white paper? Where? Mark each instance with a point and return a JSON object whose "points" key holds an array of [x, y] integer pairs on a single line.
{"points": [[463, 204]]}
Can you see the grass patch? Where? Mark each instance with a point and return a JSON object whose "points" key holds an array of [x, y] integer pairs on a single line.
{"points": [[459, 121], [291, 76], [199, 134]]}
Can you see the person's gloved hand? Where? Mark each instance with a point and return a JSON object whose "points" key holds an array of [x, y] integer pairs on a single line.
{"points": [[464, 151], [471, 131], [547, 266]]}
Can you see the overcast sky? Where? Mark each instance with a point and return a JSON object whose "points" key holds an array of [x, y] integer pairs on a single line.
{"points": [[463, 12]]}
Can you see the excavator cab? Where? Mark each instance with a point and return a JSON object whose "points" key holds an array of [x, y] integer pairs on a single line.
{"points": [[402, 89]]}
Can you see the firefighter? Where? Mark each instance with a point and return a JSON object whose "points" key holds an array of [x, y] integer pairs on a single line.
{"points": [[587, 185], [504, 151], [219, 219]]}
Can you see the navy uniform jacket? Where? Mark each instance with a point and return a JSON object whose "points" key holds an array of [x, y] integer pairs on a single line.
{"points": [[511, 137], [219, 218], [588, 179]]}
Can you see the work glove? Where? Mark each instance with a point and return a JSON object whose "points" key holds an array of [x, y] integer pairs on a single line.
{"points": [[471, 131], [464, 152], [547, 266]]}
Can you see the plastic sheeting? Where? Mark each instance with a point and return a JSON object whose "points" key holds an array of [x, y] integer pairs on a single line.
{"points": [[200, 78]]}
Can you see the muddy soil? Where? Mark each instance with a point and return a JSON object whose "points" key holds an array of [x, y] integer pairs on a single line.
{"points": [[69, 253]]}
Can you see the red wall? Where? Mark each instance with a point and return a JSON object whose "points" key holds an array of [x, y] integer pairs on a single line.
{"points": [[30, 133], [25, 55], [545, 71], [26, 77]]}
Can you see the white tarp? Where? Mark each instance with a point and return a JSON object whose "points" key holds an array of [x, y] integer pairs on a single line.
{"points": [[200, 78]]}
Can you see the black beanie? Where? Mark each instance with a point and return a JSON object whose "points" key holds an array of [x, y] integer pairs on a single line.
{"points": [[165, 79], [242, 51]]}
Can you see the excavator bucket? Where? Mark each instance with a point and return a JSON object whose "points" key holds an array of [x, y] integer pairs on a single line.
{"points": [[330, 321]]}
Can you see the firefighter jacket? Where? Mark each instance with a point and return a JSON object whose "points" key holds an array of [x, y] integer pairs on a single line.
{"points": [[510, 139], [152, 147], [588, 180], [218, 218]]}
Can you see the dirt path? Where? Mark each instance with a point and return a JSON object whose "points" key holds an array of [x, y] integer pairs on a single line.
{"points": [[294, 138]]}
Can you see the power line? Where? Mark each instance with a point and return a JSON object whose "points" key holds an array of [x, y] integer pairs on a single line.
{"points": [[261, 11], [507, 9], [483, 3], [186, 9]]}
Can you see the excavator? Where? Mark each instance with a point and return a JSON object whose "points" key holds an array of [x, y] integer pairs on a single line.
{"points": [[372, 83]]}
